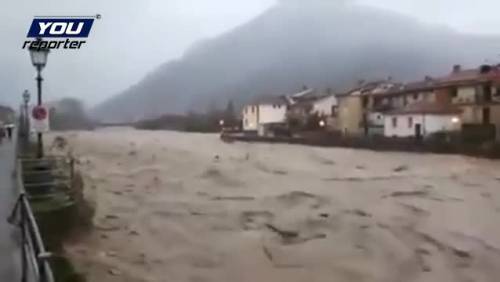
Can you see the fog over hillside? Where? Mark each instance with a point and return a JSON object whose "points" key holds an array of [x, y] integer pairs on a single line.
{"points": [[317, 42]]}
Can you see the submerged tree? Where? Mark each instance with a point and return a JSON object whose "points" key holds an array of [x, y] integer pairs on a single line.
{"points": [[69, 114], [230, 118]]}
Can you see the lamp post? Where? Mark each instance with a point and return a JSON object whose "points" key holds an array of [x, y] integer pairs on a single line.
{"points": [[26, 125], [38, 55]]}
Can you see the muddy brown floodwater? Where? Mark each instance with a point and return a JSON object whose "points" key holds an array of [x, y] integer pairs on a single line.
{"points": [[186, 207]]}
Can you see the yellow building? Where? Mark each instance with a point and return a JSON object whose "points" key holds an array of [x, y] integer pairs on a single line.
{"points": [[350, 114]]}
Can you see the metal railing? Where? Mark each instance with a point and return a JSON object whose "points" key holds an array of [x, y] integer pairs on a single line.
{"points": [[34, 257]]}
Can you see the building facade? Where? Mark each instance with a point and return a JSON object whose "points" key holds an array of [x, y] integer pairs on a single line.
{"points": [[350, 114], [266, 110], [475, 92], [421, 120]]}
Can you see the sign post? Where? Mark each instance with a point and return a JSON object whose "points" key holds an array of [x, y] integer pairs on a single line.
{"points": [[40, 119]]}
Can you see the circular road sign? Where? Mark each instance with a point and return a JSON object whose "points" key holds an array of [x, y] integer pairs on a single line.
{"points": [[39, 113]]}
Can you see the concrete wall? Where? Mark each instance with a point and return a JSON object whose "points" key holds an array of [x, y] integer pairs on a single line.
{"points": [[272, 113], [429, 124], [324, 106], [253, 115], [250, 118]]}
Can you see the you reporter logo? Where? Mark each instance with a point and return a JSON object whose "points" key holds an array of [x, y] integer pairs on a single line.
{"points": [[51, 27], [68, 27]]}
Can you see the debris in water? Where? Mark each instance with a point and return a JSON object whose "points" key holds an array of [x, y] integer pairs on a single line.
{"points": [[133, 233], [359, 212], [111, 254], [401, 168], [268, 253], [285, 234], [416, 193], [112, 216], [233, 198], [115, 272], [328, 162], [461, 253]]}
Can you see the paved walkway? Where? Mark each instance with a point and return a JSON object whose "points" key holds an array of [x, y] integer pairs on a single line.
{"points": [[9, 257]]}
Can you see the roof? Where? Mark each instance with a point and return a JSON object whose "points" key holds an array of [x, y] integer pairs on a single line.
{"points": [[377, 87], [458, 77], [426, 108], [312, 99], [270, 100], [484, 73], [303, 93]]}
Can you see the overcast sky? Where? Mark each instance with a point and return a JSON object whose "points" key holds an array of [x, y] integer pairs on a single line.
{"points": [[134, 37]]}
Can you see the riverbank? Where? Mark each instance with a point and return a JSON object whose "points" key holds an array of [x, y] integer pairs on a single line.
{"points": [[436, 145]]}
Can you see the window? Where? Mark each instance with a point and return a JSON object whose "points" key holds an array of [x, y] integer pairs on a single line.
{"points": [[334, 111], [364, 101], [486, 115], [410, 122], [415, 96], [394, 122], [253, 109], [487, 91], [454, 92]]}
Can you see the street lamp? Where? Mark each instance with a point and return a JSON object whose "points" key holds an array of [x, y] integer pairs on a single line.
{"points": [[26, 97], [38, 54], [26, 127]]}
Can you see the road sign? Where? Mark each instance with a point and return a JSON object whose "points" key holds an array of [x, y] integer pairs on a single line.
{"points": [[39, 113], [40, 119]]}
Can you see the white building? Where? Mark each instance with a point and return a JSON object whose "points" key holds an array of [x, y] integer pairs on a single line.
{"points": [[421, 120], [325, 106], [262, 112], [309, 102]]}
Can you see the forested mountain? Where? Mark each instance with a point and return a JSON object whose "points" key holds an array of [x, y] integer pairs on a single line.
{"points": [[316, 43]]}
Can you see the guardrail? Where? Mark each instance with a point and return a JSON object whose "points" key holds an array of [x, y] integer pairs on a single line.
{"points": [[34, 257]]}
